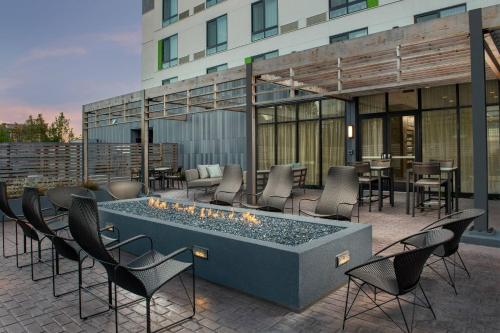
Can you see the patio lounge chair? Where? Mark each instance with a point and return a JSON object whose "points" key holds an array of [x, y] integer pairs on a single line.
{"points": [[457, 222], [142, 276], [339, 196], [277, 191], [124, 189], [60, 197], [397, 275], [61, 245], [232, 179]]}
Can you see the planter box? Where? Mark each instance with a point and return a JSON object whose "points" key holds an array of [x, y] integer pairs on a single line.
{"points": [[293, 276]]}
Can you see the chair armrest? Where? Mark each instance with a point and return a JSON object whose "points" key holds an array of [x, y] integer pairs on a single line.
{"points": [[440, 220], [278, 196], [111, 228], [164, 259], [401, 241], [52, 218], [130, 240], [345, 203]]}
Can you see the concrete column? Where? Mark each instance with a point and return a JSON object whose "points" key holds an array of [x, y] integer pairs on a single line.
{"points": [[351, 120], [479, 122], [85, 146], [251, 133], [145, 141]]}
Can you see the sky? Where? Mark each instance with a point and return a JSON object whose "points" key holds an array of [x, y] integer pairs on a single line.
{"points": [[56, 55]]}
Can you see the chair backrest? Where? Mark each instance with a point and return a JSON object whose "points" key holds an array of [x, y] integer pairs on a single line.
{"points": [[230, 184], [426, 168], [408, 265], [362, 167], [444, 163], [83, 220], [381, 163], [61, 196], [32, 211], [4, 202], [278, 188], [457, 223], [341, 186], [124, 189]]}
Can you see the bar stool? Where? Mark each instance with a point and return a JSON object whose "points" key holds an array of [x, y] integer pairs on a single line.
{"points": [[446, 164], [365, 177], [426, 175], [387, 180]]}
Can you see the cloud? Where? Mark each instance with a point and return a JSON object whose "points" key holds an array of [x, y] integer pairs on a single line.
{"points": [[18, 112], [130, 40], [46, 53]]}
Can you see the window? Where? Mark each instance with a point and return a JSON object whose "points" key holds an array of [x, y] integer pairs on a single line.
{"points": [[264, 56], [217, 35], [169, 54], [440, 13], [169, 12], [343, 7], [210, 3], [217, 68], [264, 19], [169, 80], [349, 35]]}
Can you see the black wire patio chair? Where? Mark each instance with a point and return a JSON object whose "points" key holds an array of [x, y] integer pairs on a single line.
{"points": [[142, 276], [339, 196], [60, 197], [230, 185], [396, 275], [276, 193], [61, 245], [448, 252]]}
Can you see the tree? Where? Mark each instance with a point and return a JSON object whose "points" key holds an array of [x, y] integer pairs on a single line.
{"points": [[34, 130], [60, 130], [4, 133]]}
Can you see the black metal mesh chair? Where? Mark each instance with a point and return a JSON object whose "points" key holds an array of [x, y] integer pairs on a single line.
{"points": [[123, 190], [339, 196], [62, 245], [397, 275], [61, 197], [277, 191], [142, 276], [448, 252], [28, 231], [230, 185], [365, 177]]}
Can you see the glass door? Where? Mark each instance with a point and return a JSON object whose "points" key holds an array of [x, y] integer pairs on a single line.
{"points": [[402, 143]]}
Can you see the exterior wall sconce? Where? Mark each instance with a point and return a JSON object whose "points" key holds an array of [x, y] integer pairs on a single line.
{"points": [[350, 131]]}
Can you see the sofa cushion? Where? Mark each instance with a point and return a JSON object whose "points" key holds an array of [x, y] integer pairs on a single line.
{"points": [[202, 170], [214, 171], [192, 174], [206, 182]]}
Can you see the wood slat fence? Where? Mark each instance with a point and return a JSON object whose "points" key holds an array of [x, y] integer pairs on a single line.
{"points": [[48, 165]]}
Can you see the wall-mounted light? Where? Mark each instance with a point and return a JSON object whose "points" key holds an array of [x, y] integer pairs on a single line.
{"points": [[350, 131], [200, 252], [342, 258]]}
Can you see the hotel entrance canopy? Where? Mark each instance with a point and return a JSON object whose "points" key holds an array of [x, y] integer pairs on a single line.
{"points": [[456, 49]]}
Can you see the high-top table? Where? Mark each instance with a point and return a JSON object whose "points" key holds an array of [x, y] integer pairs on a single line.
{"points": [[162, 171], [450, 177], [380, 170]]}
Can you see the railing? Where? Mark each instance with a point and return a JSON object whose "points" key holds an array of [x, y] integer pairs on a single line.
{"points": [[48, 165]]}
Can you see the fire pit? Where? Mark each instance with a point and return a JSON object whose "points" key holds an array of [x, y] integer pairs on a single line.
{"points": [[287, 259]]}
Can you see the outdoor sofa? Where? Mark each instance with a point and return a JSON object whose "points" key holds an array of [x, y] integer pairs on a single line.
{"points": [[202, 178]]}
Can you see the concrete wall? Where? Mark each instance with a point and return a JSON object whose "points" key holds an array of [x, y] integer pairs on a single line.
{"points": [[211, 137], [192, 30]]}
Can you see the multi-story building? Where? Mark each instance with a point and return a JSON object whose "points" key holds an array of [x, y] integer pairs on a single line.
{"points": [[188, 38]]}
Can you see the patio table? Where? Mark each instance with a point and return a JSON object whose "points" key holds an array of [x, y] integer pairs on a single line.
{"points": [[162, 171], [450, 177], [380, 170]]}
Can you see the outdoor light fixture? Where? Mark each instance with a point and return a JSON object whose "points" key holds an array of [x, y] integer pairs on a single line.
{"points": [[342, 258], [200, 252], [350, 131]]}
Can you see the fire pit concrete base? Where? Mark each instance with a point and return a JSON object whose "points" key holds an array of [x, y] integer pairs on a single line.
{"points": [[292, 276]]}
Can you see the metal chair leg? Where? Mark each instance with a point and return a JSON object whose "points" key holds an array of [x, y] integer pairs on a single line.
{"points": [[463, 264]]}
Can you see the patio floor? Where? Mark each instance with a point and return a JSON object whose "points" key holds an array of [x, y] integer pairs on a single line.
{"points": [[27, 306]]}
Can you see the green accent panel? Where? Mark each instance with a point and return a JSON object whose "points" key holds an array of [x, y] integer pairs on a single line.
{"points": [[372, 3], [160, 55], [248, 60]]}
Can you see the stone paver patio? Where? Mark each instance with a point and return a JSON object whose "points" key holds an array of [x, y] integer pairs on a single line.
{"points": [[27, 306]]}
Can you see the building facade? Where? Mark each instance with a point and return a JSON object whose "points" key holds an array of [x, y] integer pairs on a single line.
{"points": [[188, 38]]}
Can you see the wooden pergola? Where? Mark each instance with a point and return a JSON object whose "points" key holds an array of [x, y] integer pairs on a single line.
{"points": [[456, 49]]}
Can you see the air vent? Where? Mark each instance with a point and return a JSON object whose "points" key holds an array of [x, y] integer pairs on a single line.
{"points": [[199, 55], [184, 60], [289, 27], [199, 8], [316, 19], [183, 15]]}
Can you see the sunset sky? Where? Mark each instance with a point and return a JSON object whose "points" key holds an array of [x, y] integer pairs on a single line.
{"points": [[56, 55]]}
